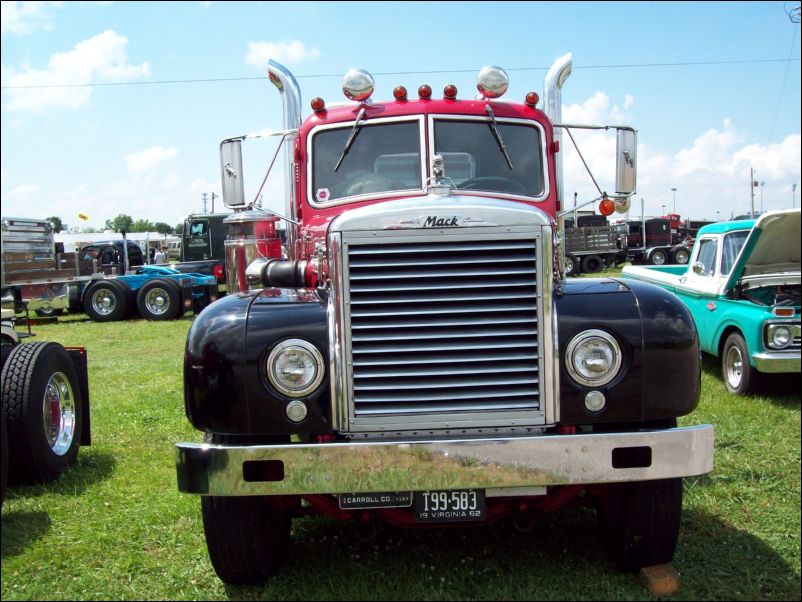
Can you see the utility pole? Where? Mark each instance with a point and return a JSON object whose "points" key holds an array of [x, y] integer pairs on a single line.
{"points": [[752, 184], [793, 195], [762, 184], [213, 197], [203, 196], [674, 190]]}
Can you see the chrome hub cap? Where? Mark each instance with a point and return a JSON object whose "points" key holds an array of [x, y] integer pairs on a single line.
{"points": [[58, 415], [157, 301], [734, 367], [104, 301]]}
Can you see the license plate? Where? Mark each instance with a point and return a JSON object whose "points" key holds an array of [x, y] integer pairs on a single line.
{"points": [[449, 506], [365, 501]]}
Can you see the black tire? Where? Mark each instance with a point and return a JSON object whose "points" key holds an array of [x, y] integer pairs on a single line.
{"points": [[571, 266], [248, 537], [592, 264], [107, 300], [639, 522], [658, 257], [49, 313], [681, 256], [740, 378], [45, 443], [3, 458], [159, 299]]}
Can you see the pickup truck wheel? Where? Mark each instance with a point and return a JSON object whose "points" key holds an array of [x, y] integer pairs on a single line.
{"points": [[740, 378], [640, 522], [107, 300], [248, 537], [159, 300], [42, 409], [571, 266], [592, 264], [658, 257], [681, 256]]}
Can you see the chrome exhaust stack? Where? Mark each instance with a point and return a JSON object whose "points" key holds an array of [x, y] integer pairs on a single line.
{"points": [[284, 80], [552, 99]]}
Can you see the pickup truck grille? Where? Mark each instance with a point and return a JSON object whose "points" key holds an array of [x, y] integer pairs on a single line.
{"points": [[443, 327]]}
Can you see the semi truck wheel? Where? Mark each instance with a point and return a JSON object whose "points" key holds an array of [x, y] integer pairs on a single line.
{"points": [[42, 409], [571, 266], [159, 299], [248, 537], [107, 300], [681, 256], [592, 264], [740, 378], [658, 257], [3, 458], [639, 522]]}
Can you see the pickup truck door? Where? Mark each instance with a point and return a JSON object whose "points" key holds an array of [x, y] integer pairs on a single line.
{"points": [[700, 290]]}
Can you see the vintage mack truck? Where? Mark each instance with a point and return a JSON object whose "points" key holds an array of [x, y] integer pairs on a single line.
{"points": [[418, 356]]}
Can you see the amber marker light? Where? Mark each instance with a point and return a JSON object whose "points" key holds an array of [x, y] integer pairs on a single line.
{"points": [[425, 91], [400, 93], [450, 91], [606, 207], [318, 104], [532, 99]]}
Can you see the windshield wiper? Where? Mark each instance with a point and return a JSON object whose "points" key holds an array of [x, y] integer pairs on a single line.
{"points": [[351, 137], [497, 135]]}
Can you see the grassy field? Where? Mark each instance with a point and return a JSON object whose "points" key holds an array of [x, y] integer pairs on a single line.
{"points": [[115, 527]]}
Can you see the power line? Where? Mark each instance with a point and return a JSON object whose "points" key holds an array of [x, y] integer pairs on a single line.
{"points": [[383, 73]]}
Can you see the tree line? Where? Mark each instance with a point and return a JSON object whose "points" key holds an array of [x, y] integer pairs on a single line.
{"points": [[120, 223]]}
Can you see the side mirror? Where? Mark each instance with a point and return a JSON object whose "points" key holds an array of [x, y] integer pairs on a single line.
{"points": [[698, 268], [231, 173], [626, 164]]}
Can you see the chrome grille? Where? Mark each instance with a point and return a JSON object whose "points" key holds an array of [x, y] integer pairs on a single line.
{"points": [[443, 328]]}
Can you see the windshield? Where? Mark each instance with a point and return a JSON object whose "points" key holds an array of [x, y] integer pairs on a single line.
{"points": [[383, 157], [474, 160], [733, 242]]}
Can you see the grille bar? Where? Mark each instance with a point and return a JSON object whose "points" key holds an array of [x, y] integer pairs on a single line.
{"points": [[438, 328]]}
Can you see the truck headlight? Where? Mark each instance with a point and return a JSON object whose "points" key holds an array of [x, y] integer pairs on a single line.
{"points": [[779, 336], [593, 358], [295, 367]]}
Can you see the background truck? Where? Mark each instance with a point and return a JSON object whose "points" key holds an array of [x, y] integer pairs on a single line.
{"points": [[202, 248], [743, 290], [592, 247], [95, 279], [418, 358]]}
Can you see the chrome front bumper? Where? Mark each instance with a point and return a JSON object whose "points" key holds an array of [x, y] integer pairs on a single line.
{"points": [[778, 362], [361, 467]]}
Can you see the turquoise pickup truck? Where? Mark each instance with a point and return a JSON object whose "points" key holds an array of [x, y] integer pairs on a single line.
{"points": [[742, 286]]}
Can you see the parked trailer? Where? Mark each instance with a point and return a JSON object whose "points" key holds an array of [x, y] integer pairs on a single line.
{"points": [[591, 249], [49, 282]]}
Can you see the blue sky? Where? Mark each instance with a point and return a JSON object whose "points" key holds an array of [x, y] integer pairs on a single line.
{"points": [[151, 150]]}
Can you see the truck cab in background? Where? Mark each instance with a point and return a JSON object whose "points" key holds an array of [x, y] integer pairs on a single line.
{"points": [[418, 357]]}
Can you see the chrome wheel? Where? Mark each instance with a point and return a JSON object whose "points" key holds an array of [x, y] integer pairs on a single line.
{"points": [[58, 415], [157, 301], [734, 364], [104, 301]]}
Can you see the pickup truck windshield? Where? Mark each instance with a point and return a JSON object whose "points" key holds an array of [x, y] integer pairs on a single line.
{"points": [[384, 157], [473, 161]]}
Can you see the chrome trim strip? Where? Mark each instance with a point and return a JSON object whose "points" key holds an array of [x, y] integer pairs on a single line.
{"points": [[778, 362], [361, 467], [500, 195], [549, 342], [310, 197], [337, 367]]}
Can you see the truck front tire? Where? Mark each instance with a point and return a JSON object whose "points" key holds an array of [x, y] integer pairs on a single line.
{"points": [[740, 378], [248, 537], [640, 522], [42, 407]]}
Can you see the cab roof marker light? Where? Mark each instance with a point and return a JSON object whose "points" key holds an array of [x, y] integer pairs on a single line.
{"points": [[318, 104], [400, 93], [425, 91], [450, 92], [532, 99]]}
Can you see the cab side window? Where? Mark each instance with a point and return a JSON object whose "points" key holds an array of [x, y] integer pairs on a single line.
{"points": [[707, 255]]}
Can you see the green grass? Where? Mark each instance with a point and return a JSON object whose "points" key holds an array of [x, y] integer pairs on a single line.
{"points": [[115, 527]]}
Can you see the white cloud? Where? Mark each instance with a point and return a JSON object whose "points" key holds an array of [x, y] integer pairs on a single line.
{"points": [[99, 59], [22, 18], [711, 174], [25, 189], [284, 52], [149, 158]]}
